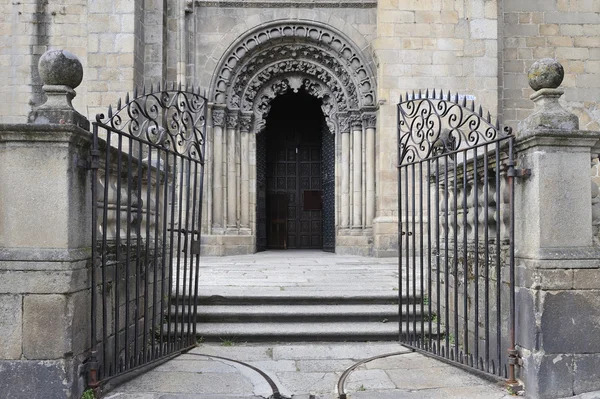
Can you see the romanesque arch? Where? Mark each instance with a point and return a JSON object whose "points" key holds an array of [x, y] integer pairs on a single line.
{"points": [[266, 62]]}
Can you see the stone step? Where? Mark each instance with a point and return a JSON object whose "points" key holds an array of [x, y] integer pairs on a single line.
{"points": [[287, 297], [230, 333], [303, 313]]}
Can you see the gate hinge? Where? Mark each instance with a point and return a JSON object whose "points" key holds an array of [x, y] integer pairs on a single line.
{"points": [[514, 358], [517, 172]]}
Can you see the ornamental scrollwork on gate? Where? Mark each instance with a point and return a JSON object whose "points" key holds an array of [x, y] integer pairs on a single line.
{"points": [[171, 118], [435, 123]]}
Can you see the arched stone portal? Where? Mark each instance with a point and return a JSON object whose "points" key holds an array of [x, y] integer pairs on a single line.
{"points": [[271, 60]]}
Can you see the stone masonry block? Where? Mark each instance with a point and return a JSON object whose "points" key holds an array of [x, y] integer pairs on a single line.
{"points": [[484, 29], [568, 314], [34, 379], [45, 326], [11, 326], [587, 375]]}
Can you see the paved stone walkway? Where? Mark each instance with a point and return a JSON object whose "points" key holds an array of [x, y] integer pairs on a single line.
{"points": [[306, 368], [290, 272], [302, 368]]}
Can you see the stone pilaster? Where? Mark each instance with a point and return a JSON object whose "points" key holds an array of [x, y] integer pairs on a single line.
{"points": [[557, 265], [45, 240]]}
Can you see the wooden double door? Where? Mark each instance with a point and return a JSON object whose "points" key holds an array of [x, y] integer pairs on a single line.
{"points": [[294, 196]]}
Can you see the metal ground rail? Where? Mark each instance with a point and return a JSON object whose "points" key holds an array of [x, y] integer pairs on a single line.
{"points": [[456, 233], [147, 180]]}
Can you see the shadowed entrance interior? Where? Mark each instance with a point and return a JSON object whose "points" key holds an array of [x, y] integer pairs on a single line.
{"points": [[293, 173]]}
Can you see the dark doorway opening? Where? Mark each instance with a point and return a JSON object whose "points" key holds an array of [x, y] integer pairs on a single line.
{"points": [[290, 174]]}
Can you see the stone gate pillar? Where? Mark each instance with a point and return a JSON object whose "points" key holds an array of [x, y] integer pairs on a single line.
{"points": [[45, 240], [557, 265]]}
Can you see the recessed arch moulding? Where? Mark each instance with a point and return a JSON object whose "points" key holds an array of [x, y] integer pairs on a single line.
{"points": [[294, 55], [264, 63]]}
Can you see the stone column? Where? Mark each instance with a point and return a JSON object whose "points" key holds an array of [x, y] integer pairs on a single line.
{"points": [[232, 124], [356, 172], [245, 124], [345, 166], [557, 266], [370, 122], [218, 119], [45, 239]]}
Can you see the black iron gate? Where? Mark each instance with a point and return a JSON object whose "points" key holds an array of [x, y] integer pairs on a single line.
{"points": [[456, 263], [147, 181]]}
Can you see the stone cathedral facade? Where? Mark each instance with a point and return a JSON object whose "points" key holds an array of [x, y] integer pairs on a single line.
{"points": [[301, 149]]}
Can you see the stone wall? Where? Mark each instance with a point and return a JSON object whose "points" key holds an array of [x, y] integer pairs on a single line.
{"points": [[562, 29], [114, 39], [427, 44]]}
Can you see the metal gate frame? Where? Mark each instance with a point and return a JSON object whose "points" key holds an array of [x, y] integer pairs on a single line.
{"points": [[456, 233], [147, 184]]}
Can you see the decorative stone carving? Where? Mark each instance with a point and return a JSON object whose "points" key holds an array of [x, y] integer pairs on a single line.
{"points": [[292, 82], [245, 122], [344, 123], [355, 121], [294, 57], [286, 67], [370, 121], [326, 44], [232, 120], [218, 117]]}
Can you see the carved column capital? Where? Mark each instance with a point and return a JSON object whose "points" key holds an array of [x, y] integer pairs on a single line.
{"points": [[355, 121], [370, 121], [218, 117], [245, 122], [344, 123], [232, 120]]}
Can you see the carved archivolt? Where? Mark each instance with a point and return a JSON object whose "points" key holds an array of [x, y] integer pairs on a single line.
{"points": [[295, 55], [344, 98], [294, 82]]}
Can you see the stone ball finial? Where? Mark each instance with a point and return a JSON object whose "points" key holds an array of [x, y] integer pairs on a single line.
{"points": [[546, 73], [60, 67]]}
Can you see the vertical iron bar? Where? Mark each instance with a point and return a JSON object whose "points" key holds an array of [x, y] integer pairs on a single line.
{"points": [[93, 375], [138, 257], [147, 257], [429, 348], [511, 210], [400, 249], [156, 256], [455, 177], [446, 258], [128, 256], [191, 314], [197, 270], [476, 262], [105, 345], [171, 345], [486, 246], [180, 306], [498, 265], [414, 255], [421, 335], [117, 263], [438, 253], [164, 278], [407, 257], [465, 257], [188, 239]]}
